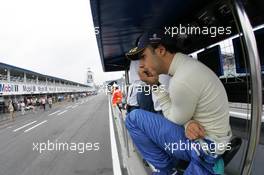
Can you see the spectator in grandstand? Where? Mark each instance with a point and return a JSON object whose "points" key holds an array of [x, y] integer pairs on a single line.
{"points": [[50, 102], [43, 103], [72, 97], [196, 112], [28, 102], [34, 104], [11, 110], [22, 107], [15, 104], [39, 102]]}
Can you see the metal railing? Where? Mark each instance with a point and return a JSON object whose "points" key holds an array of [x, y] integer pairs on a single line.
{"points": [[250, 48]]}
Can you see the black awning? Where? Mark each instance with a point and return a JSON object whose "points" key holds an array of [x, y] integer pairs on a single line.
{"points": [[121, 21]]}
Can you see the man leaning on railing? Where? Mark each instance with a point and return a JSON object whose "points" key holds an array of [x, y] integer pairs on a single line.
{"points": [[195, 126]]}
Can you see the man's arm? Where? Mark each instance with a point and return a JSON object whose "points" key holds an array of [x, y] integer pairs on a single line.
{"points": [[194, 130], [179, 106]]}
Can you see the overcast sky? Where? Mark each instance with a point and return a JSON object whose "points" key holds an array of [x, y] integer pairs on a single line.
{"points": [[53, 37]]}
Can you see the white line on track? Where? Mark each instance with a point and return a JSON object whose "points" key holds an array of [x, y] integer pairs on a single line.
{"points": [[75, 106], [62, 112], [54, 112], [115, 158], [36, 126], [24, 126], [68, 107]]}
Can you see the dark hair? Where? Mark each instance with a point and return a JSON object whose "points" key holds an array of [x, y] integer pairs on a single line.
{"points": [[170, 44]]}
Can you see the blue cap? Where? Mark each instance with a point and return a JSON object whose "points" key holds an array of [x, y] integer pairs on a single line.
{"points": [[144, 40]]}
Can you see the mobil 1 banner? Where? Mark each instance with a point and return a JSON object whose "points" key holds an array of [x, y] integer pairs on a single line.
{"points": [[15, 89]]}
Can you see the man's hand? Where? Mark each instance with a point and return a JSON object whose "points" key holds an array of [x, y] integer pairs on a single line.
{"points": [[194, 130], [148, 76]]}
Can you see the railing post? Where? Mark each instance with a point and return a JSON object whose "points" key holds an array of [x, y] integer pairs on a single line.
{"points": [[249, 42], [125, 131]]}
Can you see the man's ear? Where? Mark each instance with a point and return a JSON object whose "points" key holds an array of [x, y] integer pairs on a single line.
{"points": [[160, 50]]}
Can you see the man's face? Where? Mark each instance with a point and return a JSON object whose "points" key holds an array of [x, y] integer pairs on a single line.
{"points": [[149, 60]]}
